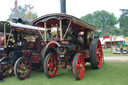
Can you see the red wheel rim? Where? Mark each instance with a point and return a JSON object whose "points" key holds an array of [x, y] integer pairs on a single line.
{"points": [[52, 65], [24, 69], [99, 53], [80, 66]]}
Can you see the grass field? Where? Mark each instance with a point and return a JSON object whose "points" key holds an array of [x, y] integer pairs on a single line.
{"points": [[108, 52], [110, 74]]}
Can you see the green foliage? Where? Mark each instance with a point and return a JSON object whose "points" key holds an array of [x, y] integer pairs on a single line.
{"points": [[103, 21], [24, 12], [123, 20], [124, 30]]}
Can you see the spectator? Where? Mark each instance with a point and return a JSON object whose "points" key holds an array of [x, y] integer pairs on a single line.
{"points": [[121, 50], [127, 50]]}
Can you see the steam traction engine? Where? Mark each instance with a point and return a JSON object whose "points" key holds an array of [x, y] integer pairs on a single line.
{"points": [[72, 43], [20, 49]]}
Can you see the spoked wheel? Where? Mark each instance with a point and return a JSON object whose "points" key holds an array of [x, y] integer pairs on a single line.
{"points": [[22, 68], [50, 65], [78, 66], [5, 67], [99, 53], [96, 54]]}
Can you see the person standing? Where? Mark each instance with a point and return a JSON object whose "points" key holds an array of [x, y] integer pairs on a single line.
{"points": [[127, 50], [121, 50]]}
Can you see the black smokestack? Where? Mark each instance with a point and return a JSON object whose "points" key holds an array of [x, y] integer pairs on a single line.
{"points": [[63, 6]]}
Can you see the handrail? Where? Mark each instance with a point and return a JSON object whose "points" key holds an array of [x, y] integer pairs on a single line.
{"points": [[67, 29], [9, 37], [5, 35]]}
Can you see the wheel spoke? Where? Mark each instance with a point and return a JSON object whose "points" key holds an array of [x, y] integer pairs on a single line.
{"points": [[78, 66], [98, 60], [19, 70], [49, 65], [98, 49], [25, 62]]}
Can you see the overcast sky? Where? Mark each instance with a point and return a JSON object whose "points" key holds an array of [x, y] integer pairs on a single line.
{"points": [[76, 8]]}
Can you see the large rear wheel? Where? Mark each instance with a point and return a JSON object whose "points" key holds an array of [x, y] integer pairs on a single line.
{"points": [[96, 54], [78, 66], [50, 65], [22, 68]]}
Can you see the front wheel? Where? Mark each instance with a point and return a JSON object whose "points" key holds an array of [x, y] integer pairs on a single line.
{"points": [[50, 65], [22, 68], [78, 66]]}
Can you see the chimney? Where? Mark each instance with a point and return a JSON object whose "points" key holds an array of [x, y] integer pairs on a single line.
{"points": [[63, 6]]}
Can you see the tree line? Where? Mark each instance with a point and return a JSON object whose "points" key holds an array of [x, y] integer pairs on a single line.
{"points": [[24, 12], [107, 22]]}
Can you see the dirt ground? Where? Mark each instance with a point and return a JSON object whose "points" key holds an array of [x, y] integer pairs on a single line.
{"points": [[116, 59]]}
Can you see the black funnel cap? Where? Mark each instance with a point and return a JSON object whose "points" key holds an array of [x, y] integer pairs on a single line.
{"points": [[22, 21], [63, 6]]}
